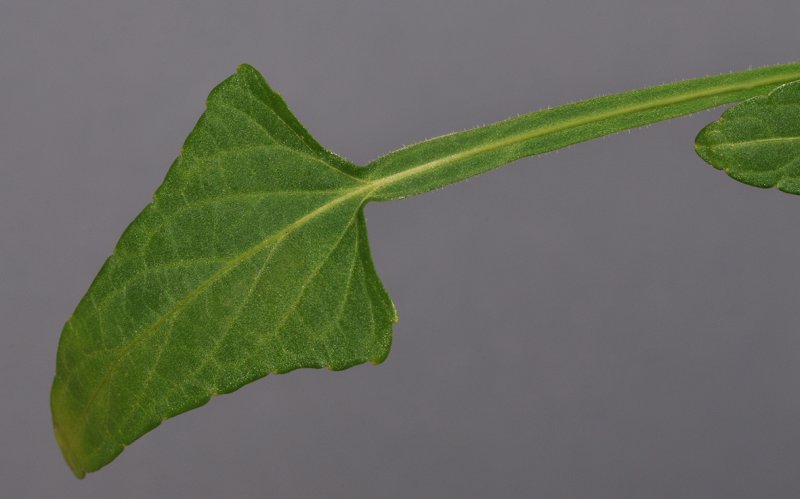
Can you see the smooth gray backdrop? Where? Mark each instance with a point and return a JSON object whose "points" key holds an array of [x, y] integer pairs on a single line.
{"points": [[614, 320]]}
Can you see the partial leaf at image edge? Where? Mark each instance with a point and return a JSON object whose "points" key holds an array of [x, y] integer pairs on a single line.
{"points": [[757, 142]]}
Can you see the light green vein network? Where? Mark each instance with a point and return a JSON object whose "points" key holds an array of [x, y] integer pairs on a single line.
{"points": [[253, 256]]}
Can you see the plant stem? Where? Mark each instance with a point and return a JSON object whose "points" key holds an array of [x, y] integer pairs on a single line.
{"points": [[451, 158]]}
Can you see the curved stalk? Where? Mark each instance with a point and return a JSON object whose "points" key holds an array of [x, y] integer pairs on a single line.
{"points": [[451, 158]]}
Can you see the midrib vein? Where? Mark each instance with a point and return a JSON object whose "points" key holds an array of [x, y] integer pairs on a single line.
{"points": [[754, 142]]}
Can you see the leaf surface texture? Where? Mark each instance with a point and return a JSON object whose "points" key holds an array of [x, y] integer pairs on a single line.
{"points": [[757, 142], [252, 259]]}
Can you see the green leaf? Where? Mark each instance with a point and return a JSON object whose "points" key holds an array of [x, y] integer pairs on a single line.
{"points": [[252, 259], [253, 256], [758, 141]]}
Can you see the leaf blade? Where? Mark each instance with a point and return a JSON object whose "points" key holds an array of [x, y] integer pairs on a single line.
{"points": [[243, 265]]}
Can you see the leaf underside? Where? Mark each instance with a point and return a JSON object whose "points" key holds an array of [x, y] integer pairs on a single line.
{"points": [[757, 142], [252, 259]]}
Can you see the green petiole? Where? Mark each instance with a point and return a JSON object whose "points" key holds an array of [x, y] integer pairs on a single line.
{"points": [[451, 158]]}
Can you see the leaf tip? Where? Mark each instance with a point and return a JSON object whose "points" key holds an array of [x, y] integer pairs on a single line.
{"points": [[250, 73], [69, 455]]}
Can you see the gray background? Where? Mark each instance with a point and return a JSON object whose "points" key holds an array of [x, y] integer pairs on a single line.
{"points": [[613, 320]]}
